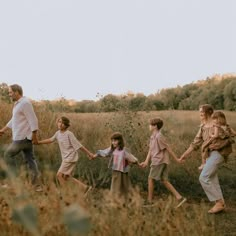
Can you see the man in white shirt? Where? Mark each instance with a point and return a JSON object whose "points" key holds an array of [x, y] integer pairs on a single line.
{"points": [[24, 126]]}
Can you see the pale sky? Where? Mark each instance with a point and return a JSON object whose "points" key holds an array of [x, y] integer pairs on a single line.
{"points": [[76, 49]]}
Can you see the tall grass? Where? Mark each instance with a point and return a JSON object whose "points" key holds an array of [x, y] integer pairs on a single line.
{"points": [[25, 212], [55, 213]]}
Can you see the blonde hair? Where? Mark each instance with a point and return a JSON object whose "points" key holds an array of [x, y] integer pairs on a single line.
{"points": [[220, 117]]}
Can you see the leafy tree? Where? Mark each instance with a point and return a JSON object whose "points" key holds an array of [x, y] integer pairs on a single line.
{"points": [[4, 92], [230, 96], [218, 90], [137, 103], [110, 103], [86, 106]]}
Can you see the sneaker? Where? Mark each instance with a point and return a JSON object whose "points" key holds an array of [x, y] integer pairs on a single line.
{"points": [[219, 207], [88, 189], [8, 188], [5, 186], [38, 188], [148, 204], [181, 201]]}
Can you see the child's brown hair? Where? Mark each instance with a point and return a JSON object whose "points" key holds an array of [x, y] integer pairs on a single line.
{"points": [[207, 109], [157, 122], [65, 121], [118, 136]]}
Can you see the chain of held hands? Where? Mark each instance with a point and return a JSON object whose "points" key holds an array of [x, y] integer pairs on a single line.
{"points": [[92, 156], [143, 164]]}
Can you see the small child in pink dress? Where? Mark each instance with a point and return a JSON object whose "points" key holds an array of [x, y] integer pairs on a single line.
{"points": [[119, 163]]}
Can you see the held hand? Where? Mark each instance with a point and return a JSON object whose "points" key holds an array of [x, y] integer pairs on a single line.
{"points": [[90, 156], [137, 163], [35, 140], [1, 132], [182, 159], [34, 137], [178, 160], [134, 163], [143, 164], [94, 156]]}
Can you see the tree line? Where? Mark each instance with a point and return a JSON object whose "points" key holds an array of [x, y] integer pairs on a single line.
{"points": [[218, 90]]}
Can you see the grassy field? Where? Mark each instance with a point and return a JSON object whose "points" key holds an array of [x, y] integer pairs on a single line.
{"points": [[52, 212]]}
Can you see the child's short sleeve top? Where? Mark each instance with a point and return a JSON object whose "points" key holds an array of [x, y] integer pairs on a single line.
{"points": [[158, 149], [68, 144]]}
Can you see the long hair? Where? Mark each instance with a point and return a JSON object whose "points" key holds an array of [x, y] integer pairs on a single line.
{"points": [[207, 109], [117, 136], [220, 117]]}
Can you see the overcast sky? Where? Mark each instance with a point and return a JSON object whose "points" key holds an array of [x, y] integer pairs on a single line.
{"points": [[76, 49]]}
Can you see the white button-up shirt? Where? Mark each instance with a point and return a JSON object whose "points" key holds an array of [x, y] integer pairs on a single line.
{"points": [[23, 121]]}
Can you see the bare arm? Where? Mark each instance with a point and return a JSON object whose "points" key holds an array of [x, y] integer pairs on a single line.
{"points": [[186, 153], [3, 130], [173, 154], [85, 150], [35, 137], [216, 132], [145, 163], [197, 142], [45, 141]]}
